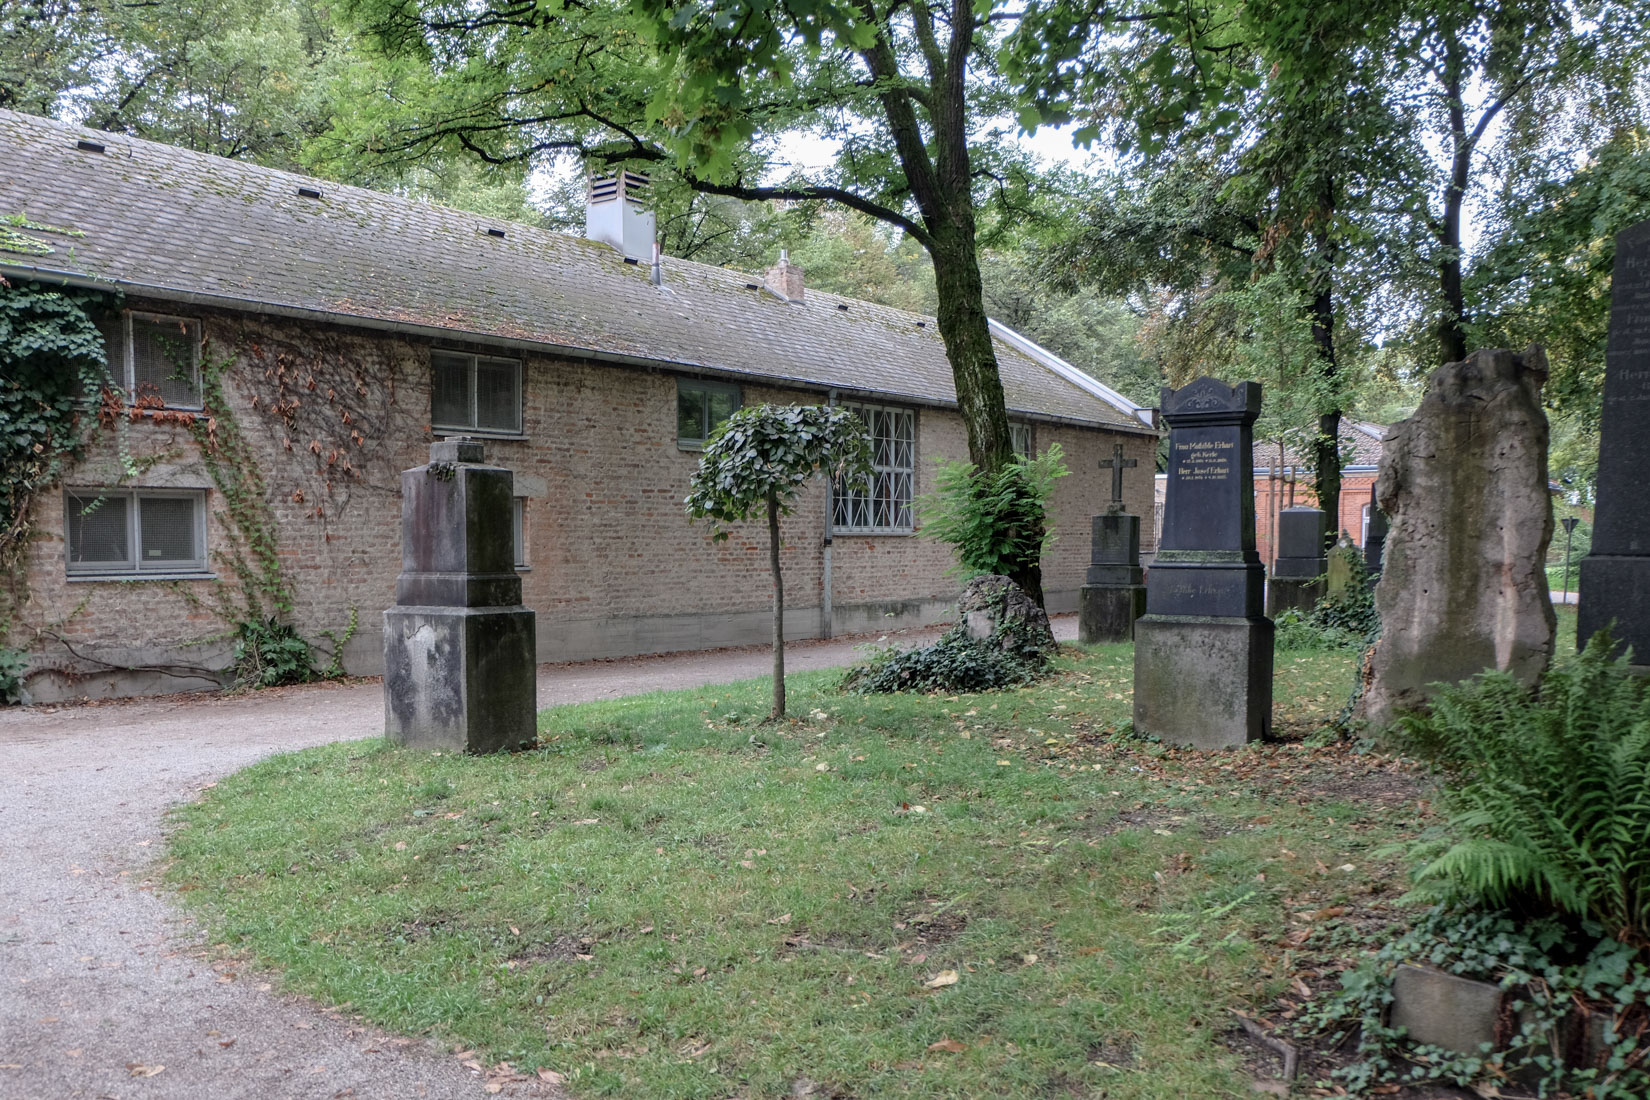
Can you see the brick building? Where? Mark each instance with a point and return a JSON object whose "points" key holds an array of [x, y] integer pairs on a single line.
{"points": [[283, 347], [1283, 481]]}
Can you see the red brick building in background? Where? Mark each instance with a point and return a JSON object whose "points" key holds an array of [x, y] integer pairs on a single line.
{"points": [[1282, 481]]}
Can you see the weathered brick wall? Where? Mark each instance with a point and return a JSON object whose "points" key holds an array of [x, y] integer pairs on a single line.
{"points": [[332, 416]]}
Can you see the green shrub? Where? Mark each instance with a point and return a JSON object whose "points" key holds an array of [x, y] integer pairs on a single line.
{"points": [[269, 653], [1547, 793], [12, 664], [1298, 631], [956, 663], [994, 522]]}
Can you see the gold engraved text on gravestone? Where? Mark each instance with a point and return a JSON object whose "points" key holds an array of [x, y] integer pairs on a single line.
{"points": [[1204, 460]]}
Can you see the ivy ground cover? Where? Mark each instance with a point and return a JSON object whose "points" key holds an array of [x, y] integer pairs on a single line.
{"points": [[886, 896]]}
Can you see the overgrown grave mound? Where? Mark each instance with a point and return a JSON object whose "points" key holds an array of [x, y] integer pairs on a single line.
{"points": [[1002, 639]]}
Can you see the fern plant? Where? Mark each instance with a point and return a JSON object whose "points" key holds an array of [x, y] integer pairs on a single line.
{"points": [[1548, 793], [994, 522]]}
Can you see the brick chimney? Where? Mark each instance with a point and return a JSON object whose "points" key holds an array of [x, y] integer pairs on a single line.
{"points": [[785, 278]]}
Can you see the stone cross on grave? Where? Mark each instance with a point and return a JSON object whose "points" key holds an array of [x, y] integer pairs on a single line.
{"points": [[1117, 464]]}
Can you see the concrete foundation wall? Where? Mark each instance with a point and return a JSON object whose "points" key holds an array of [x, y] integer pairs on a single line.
{"points": [[331, 416]]}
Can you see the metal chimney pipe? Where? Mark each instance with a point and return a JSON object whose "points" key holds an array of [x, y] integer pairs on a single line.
{"points": [[658, 273]]}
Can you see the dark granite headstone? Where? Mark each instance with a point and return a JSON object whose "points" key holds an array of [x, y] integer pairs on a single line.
{"points": [[1297, 580], [1615, 575], [1203, 652], [1113, 595], [1375, 539], [458, 646]]}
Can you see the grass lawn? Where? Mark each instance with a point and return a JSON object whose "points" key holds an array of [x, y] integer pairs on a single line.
{"points": [[990, 895]]}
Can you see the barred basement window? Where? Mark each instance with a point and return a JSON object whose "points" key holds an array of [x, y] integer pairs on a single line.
{"points": [[885, 509], [474, 393], [700, 409], [135, 532], [156, 358]]}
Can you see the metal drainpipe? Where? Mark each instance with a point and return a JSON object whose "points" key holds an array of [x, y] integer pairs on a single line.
{"points": [[825, 599]]}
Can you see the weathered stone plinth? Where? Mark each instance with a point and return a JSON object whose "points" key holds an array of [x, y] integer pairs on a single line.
{"points": [[1107, 612], [458, 645], [1464, 584], [1203, 651], [459, 678], [1203, 682], [1615, 575], [1114, 594], [1292, 594]]}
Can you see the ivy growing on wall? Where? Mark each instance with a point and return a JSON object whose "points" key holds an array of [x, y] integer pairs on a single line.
{"points": [[53, 363]]}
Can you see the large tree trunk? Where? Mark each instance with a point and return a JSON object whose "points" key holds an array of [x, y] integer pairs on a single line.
{"points": [[778, 711]]}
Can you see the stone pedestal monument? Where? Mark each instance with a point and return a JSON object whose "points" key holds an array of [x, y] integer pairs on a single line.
{"points": [[1114, 594], [1298, 575], [1203, 651], [458, 645], [1615, 574]]}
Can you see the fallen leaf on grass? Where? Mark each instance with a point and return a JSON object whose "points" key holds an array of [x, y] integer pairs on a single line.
{"points": [[137, 1069], [949, 1046], [551, 1076], [784, 918], [942, 979]]}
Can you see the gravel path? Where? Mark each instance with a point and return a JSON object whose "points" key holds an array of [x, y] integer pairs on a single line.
{"points": [[105, 991]]}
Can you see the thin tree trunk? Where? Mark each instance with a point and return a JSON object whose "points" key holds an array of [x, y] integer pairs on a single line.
{"points": [[778, 611], [1326, 450], [1452, 321]]}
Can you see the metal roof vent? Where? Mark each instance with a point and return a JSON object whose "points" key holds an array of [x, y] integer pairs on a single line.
{"points": [[616, 214], [308, 193], [89, 146], [495, 233]]}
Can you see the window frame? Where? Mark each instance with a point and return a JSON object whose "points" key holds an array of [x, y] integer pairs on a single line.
{"points": [[128, 364], [841, 501], [518, 533], [133, 568], [708, 387], [1022, 430], [472, 428]]}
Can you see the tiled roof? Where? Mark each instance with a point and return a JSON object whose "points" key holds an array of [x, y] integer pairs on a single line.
{"points": [[1360, 447], [165, 222]]}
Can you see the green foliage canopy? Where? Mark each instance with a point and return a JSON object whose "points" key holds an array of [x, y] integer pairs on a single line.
{"points": [[762, 455]]}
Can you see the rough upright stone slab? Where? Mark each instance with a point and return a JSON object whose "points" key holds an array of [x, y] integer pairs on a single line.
{"points": [[1615, 574], [1203, 651], [1464, 584], [1444, 1010], [458, 645]]}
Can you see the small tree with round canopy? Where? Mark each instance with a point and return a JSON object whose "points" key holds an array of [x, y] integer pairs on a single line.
{"points": [[759, 459]]}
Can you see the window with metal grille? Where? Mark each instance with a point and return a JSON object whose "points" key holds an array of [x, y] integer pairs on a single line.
{"points": [[700, 409], [156, 358], [885, 507], [474, 393], [134, 532]]}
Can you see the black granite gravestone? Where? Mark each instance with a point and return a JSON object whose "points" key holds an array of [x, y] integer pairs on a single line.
{"points": [[1615, 574], [1203, 651], [1375, 539], [458, 646], [1297, 580], [1113, 595]]}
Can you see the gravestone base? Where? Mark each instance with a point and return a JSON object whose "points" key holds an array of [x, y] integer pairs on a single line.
{"points": [[1203, 682], [1293, 594], [1107, 612], [1615, 592], [460, 678]]}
